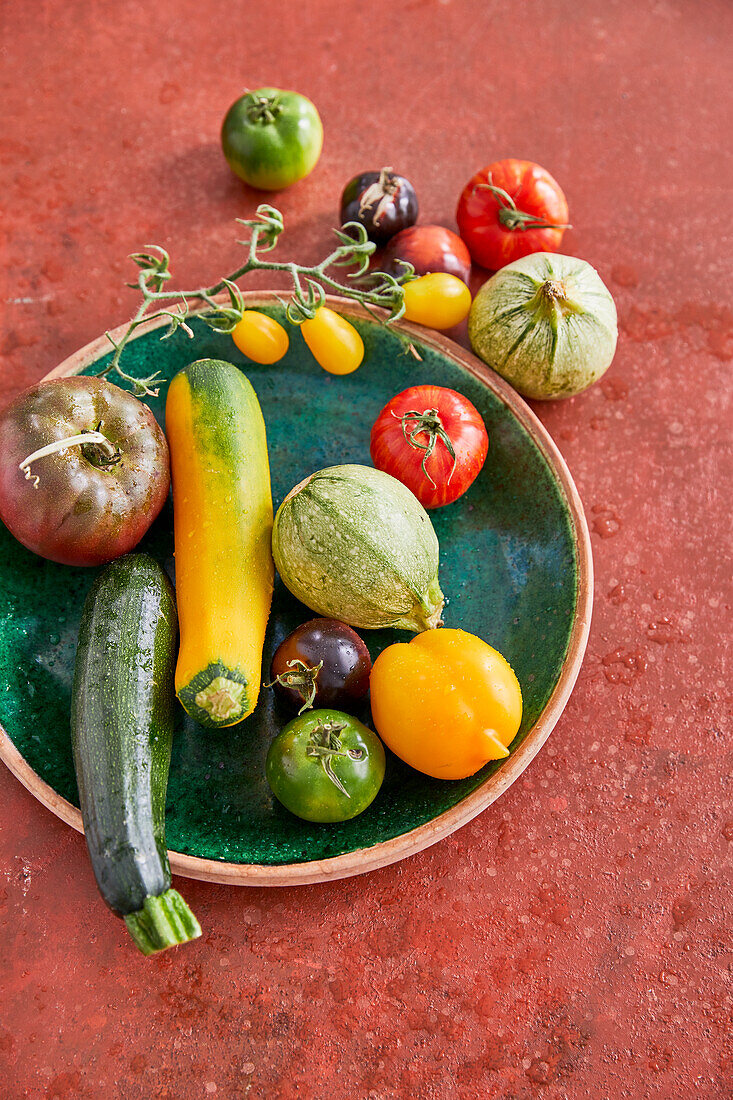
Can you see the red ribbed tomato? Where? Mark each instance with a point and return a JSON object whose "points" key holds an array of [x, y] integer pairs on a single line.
{"points": [[509, 209], [431, 439]]}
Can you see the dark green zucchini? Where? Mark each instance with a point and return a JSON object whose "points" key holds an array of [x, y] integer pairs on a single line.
{"points": [[122, 730]]}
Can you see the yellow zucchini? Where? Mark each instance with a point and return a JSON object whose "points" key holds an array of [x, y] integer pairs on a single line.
{"points": [[222, 510]]}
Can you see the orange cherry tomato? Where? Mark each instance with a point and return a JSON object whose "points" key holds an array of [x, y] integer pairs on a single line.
{"points": [[335, 343], [261, 338], [446, 703], [439, 300]]}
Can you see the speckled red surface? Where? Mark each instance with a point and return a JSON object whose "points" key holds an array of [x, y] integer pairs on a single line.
{"points": [[574, 941]]}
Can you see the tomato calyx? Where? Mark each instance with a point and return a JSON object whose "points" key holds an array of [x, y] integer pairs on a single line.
{"points": [[428, 423], [95, 447], [302, 679], [381, 193], [304, 306], [324, 743], [510, 216], [264, 109], [101, 452]]}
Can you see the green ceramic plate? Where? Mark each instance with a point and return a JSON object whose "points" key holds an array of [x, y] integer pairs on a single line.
{"points": [[515, 564]]}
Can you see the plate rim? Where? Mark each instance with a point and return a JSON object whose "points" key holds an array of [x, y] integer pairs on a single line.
{"points": [[386, 852]]}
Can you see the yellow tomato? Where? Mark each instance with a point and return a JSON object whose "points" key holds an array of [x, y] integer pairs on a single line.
{"points": [[261, 338], [439, 300], [446, 703], [335, 343]]}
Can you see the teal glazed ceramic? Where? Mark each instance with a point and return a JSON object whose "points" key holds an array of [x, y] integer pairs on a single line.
{"points": [[515, 565]]}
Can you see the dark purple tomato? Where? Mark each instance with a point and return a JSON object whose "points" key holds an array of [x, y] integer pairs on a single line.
{"points": [[323, 663], [382, 201], [428, 248]]}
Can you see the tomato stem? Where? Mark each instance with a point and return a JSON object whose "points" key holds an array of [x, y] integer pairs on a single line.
{"points": [[511, 216], [302, 679], [427, 422], [374, 291], [324, 744], [110, 453], [380, 192], [263, 108]]}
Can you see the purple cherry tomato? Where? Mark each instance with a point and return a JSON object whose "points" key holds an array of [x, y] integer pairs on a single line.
{"points": [[323, 663], [382, 201]]}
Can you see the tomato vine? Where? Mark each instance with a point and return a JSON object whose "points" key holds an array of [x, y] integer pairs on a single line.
{"points": [[374, 291]]}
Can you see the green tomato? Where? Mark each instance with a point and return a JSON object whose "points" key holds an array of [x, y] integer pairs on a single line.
{"points": [[272, 138], [325, 766]]}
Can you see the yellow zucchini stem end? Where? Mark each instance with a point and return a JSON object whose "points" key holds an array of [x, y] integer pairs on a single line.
{"points": [[223, 699]]}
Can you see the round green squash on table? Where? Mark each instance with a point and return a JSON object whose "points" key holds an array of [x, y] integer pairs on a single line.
{"points": [[546, 323]]}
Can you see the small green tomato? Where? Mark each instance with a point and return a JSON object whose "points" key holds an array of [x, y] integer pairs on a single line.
{"points": [[272, 138], [325, 766]]}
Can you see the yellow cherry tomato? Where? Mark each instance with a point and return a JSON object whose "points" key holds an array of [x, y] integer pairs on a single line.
{"points": [[439, 300], [335, 343], [261, 338], [446, 703]]}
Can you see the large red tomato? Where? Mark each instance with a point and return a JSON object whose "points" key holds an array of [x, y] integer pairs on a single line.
{"points": [[431, 439], [509, 209]]}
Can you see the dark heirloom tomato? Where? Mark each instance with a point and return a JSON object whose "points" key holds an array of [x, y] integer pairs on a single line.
{"points": [[323, 662], [428, 248], [431, 439], [84, 470], [325, 766], [509, 209], [382, 201]]}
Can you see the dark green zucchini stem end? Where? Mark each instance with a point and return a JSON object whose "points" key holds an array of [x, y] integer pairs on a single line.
{"points": [[163, 922]]}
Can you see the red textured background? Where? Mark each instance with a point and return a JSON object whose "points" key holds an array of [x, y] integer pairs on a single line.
{"points": [[573, 942]]}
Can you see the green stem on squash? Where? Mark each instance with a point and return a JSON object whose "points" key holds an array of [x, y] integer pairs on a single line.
{"points": [[554, 290], [223, 699], [164, 921], [427, 613], [552, 297], [433, 606]]}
